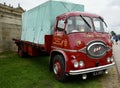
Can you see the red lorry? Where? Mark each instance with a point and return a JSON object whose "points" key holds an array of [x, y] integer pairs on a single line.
{"points": [[79, 46]]}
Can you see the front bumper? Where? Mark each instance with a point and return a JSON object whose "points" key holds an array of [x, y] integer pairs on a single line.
{"points": [[83, 71]]}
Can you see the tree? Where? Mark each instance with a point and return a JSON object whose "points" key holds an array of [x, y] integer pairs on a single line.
{"points": [[113, 33]]}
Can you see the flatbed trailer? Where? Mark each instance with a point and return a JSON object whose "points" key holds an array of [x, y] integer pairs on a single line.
{"points": [[33, 49]]}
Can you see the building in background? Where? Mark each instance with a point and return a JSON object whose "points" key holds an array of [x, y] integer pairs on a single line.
{"points": [[10, 26]]}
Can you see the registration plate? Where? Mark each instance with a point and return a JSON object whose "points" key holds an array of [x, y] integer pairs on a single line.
{"points": [[98, 73]]}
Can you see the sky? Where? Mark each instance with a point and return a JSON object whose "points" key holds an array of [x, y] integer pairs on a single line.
{"points": [[108, 9]]}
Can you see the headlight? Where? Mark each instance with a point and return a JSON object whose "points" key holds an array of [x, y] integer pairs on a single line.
{"points": [[81, 63], [108, 60], [112, 59], [75, 64]]}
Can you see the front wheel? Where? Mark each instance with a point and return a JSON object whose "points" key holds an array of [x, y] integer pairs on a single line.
{"points": [[59, 68]]}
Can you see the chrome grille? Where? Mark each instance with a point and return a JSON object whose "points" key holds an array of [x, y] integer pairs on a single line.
{"points": [[96, 49]]}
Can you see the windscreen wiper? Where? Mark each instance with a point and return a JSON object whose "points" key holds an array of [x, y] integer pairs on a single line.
{"points": [[85, 21], [103, 21]]}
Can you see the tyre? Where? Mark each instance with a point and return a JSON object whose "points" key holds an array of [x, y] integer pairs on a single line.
{"points": [[59, 68], [20, 53]]}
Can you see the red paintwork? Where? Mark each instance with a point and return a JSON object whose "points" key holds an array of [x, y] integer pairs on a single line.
{"points": [[67, 15], [48, 43], [30, 48], [60, 42]]}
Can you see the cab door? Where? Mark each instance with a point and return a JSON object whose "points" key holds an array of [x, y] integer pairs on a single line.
{"points": [[59, 33]]}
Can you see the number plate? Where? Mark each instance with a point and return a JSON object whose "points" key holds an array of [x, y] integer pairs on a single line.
{"points": [[98, 73]]}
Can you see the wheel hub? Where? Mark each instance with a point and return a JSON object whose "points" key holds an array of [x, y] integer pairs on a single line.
{"points": [[55, 68]]}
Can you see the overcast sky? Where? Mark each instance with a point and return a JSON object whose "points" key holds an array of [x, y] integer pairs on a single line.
{"points": [[108, 9]]}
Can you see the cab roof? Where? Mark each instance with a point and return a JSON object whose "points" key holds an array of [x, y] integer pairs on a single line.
{"points": [[77, 13]]}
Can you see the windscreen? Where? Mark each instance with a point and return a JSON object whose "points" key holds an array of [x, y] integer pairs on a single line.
{"points": [[77, 24], [99, 25]]}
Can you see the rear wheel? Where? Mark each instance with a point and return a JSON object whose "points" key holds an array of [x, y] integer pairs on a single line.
{"points": [[59, 68], [21, 53]]}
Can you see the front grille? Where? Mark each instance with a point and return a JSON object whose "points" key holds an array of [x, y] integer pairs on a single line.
{"points": [[96, 49]]}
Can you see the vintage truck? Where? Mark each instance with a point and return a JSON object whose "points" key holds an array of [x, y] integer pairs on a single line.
{"points": [[76, 41]]}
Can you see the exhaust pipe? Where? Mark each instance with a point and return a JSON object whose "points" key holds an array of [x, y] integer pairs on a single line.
{"points": [[84, 76]]}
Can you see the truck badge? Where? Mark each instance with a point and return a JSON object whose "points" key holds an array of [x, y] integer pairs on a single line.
{"points": [[97, 49]]}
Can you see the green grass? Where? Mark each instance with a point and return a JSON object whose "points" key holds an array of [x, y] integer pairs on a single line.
{"points": [[33, 72]]}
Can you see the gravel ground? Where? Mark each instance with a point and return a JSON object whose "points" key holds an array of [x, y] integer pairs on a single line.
{"points": [[112, 80]]}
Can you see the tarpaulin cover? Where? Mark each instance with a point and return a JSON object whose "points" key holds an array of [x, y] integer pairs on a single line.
{"points": [[39, 21]]}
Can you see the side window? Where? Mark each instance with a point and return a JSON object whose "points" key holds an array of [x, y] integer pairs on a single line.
{"points": [[61, 25]]}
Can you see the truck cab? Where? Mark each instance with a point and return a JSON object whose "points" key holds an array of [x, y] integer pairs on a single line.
{"points": [[80, 45]]}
